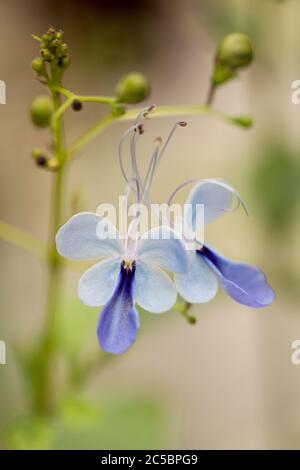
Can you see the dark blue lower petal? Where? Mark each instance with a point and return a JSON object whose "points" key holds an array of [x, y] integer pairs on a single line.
{"points": [[119, 321], [245, 284]]}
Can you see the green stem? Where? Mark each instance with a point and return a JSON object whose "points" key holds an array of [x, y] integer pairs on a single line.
{"points": [[45, 392], [24, 240], [184, 309], [85, 99], [130, 115], [105, 122], [60, 111], [211, 94], [96, 99]]}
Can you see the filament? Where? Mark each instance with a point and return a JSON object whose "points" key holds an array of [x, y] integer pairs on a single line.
{"points": [[239, 199], [179, 123]]}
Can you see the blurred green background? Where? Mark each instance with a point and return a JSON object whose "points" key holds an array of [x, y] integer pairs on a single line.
{"points": [[228, 381]]}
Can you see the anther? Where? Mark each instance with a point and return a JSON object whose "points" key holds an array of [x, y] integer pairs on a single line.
{"points": [[182, 123], [140, 128], [148, 110], [151, 108], [128, 265]]}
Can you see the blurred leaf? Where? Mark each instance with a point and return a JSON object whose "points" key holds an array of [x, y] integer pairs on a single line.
{"points": [[128, 424], [77, 330], [77, 413], [276, 185], [30, 433]]}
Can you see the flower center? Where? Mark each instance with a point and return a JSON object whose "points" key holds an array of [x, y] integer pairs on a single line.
{"points": [[128, 264]]}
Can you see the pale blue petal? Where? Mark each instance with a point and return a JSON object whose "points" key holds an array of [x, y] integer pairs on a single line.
{"points": [[119, 321], [245, 284], [215, 198], [200, 284], [78, 239], [162, 246], [98, 283], [154, 290]]}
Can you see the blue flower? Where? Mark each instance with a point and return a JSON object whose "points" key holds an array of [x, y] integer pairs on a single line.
{"points": [[126, 275], [208, 269]]}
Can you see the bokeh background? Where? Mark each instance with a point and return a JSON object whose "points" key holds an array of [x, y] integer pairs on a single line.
{"points": [[228, 381]]}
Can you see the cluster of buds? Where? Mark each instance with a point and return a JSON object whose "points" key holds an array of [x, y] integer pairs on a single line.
{"points": [[52, 50]]}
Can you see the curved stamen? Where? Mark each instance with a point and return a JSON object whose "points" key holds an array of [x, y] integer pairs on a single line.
{"points": [[120, 148], [156, 157], [135, 131], [171, 133], [129, 188], [131, 239], [138, 130], [151, 168], [216, 182], [144, 113], [134, 166]]}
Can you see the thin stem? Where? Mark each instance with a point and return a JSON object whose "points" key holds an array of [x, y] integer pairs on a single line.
{"points": [[83, 98], [211, 94], [184, 308], [130, 115], [24, 240], [81, 373], [96, 99], [45, 396], [60, 111], [90, 134]]}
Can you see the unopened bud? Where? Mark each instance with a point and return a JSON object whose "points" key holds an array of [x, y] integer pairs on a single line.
{"points": [[133, 88], [192, 320], [38, 66], [41, 111], [64, 62], [46, 55], [235, 51]]}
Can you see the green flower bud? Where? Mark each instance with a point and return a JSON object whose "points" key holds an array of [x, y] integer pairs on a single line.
{"points": [[59, 35], [192, 320], [41, 111], [51, 31], [46, 55], [46, 38], [64, 62], [133, 88], [38, 66], [64, 48], [55, 43], [235, 51]]}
